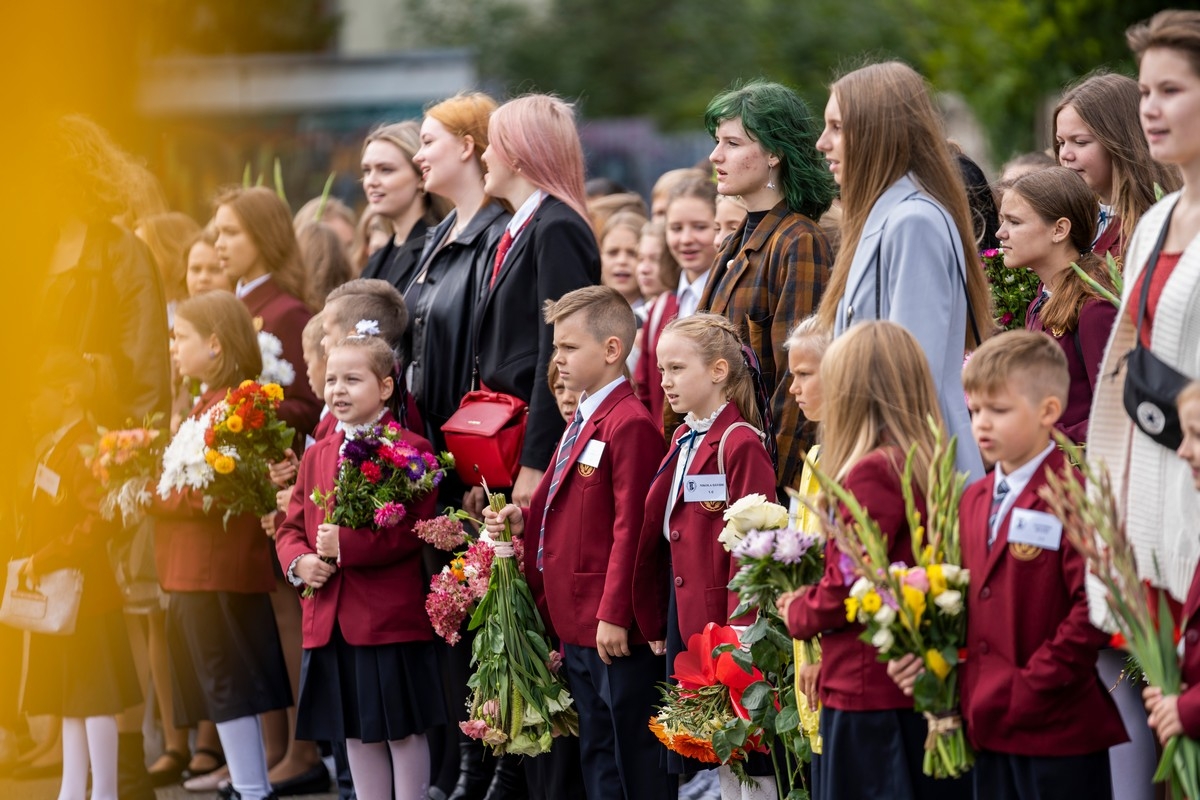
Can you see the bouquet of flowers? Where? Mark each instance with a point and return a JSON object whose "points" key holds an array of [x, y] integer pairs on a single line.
{"points": [[703, 716], [276, 368], [773, 559], [915, 609], [226, 454], [125, 463], [518, 699], [378, 472], [1094, 525], [1012, 289], [457, 589]]}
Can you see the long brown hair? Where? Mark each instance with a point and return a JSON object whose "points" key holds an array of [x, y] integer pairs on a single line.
{"points": [[716, 338], [882, 390], [221, 314], [268, 223], [1109, 105], [1058, 193], [169, 237], [890, 129]]}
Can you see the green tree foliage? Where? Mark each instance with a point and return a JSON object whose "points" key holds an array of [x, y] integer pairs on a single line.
{"points": [[216, 27]]}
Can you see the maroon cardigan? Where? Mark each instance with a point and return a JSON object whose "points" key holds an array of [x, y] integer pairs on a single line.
{"points": [[282, 315]]}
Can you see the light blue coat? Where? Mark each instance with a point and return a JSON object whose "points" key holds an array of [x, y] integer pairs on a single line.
{"points": [[921, 275]]}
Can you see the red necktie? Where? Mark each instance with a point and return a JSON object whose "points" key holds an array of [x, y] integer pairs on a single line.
{"points": [[501, 252]]}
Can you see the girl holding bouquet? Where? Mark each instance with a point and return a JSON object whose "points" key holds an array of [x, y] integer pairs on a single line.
{"points": [[370, 672], [224, 650], [706, 377], [881, 376]]}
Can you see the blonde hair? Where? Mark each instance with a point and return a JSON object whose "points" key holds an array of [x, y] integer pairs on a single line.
{"points": [[604, 311], [406, 137], [313, 335], [810, 334], [1190, 394], [716, 338], [1030, 363], [667, 182], [891, 129], [379, 355], [668, 267], [601, 210], [884, 394], [220, 313]]}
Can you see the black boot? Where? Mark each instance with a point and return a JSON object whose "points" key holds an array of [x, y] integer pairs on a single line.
{"points": [[509, 781], [133, 781], [475, 770]]}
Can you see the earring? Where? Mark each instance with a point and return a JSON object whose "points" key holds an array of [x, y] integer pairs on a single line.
{"points": [[771, 178], [212, 354]]}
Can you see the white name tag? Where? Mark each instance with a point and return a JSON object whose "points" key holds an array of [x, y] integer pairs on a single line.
{"points": [[698, 488], [590, 457], [47, 480], [1036, 528]]}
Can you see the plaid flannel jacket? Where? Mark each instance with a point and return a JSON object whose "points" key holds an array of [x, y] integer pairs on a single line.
{"points": [[765, 288]]}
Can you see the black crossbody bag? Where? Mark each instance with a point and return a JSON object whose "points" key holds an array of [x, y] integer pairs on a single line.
{"points": [[1151, 385]]}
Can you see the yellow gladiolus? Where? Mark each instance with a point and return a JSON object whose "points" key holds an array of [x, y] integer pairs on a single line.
{"points": [[851, 609], [937, 664], [914, 600], [937, 580], [234, 423], [273, 391], [224, 464], [211, 456], [871, 602]]}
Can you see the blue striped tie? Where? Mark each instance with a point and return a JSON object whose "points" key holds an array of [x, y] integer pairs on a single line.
{"points": [[560, 463], [993, 518]]}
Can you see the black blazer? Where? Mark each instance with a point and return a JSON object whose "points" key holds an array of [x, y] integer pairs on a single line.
{"points": [[555, 254], [395, 263]]}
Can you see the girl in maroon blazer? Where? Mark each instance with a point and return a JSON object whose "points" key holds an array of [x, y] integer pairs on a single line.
{"points": [[1047, 223], [706, 378], [227, 664], [87, 677], [370, 674], [881, 394]]}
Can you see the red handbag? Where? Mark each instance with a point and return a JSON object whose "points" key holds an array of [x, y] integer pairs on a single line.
{"points": [[485, 436]]}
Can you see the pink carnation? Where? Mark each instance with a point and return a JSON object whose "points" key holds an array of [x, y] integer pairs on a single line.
{"points": [[475, 728], [442, 532], [389, 515]]}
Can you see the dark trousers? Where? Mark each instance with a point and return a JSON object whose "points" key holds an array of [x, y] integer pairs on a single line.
{"points": [[618, 753], [557, 774], [999, 776]]}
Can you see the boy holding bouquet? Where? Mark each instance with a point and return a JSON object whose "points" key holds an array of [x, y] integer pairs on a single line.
{"points": [[1032, 702], [583, 528]]}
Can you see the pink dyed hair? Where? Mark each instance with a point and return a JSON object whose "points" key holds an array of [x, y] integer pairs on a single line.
{"points": [[536, 134]]}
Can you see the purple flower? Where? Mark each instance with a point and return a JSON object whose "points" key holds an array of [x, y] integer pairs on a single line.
{"points": [[757, 544], [415, 470], [389, 515], [791, 545], [356, 451], [847, 568]]}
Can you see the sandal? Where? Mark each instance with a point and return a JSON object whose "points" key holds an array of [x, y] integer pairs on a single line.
{"points": [[176, 762], [217, 758]]}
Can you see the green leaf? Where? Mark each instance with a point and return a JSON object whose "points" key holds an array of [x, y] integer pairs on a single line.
{"points": [[788, 720]]}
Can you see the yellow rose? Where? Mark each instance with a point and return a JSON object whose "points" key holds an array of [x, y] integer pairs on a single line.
{"points": [[234, 423], [273, 391], [871, 602], [224, 464], [937, 579], [211, 456], [937, 664], [914, 600], [851, 609]]}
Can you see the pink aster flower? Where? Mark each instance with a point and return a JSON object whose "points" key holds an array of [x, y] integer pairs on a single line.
{"points": [[389, 515]]}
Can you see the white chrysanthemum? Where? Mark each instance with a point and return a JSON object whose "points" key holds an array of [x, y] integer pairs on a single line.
{"points": [[276, 368], [184, 466], [950, 601]]}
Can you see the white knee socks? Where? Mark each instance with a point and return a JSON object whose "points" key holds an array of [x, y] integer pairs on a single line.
{"points": [[75, 759], [102, 749], [241, 739], [410, 767], [379, 768]]}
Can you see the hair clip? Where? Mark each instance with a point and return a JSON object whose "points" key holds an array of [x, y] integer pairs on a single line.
{"points": [[367, 327]]}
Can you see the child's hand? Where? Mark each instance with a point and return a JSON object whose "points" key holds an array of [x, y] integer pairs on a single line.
{"points": [[659, 648], [785, 600], [493, 521], [327, 540], [283, 473], [612, 641], [313, 571], [283, 498], [905, 671], [268, 524], [1164, 715], [808, 683]]}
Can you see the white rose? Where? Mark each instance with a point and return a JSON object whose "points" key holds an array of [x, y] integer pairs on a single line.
{"points": [[950, 601], [730, 537], [883, 640], [860, 588], [953, 573], [754, 513], [885, 616]]}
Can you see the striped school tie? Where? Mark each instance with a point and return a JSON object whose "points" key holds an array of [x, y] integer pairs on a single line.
{"points": [[560, 463], [993, 517]]}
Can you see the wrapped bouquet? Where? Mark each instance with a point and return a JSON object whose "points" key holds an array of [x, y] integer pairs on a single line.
{"points": [[125, 462], [1012, 289]]}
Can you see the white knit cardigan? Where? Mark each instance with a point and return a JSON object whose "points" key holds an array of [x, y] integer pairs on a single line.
{"points": [[1153, 486]]}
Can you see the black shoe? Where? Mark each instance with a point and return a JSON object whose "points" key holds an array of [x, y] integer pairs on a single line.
{"points": [[476, 768], [234, 795], [176, 765], [508, 783], [314, 781], [133, 781]]}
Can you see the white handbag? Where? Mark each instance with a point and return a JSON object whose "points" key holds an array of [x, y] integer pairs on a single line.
{"points": [[48, 604]]}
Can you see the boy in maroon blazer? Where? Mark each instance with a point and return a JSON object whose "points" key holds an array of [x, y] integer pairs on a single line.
{"points": [[1033, 704], [582, 532]]}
